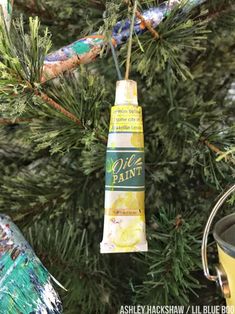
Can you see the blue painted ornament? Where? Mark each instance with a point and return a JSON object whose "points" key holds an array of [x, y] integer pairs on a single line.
{"points": [[25, 284], [86, 49]]}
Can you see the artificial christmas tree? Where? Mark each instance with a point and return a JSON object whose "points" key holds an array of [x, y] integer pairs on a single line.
{"points": [[53, 138]]}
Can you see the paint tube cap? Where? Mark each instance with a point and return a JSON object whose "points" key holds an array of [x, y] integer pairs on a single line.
{"points": [[126, 93]]}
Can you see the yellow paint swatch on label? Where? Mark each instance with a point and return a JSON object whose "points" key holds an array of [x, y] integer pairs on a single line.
{"points": [[130, 235]]}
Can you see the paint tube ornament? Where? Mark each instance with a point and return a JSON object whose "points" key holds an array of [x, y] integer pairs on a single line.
{"points": [[25, 284], [124, 221]]}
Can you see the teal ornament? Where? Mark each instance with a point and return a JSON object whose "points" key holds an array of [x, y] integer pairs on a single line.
{"points": [[25, 284]]}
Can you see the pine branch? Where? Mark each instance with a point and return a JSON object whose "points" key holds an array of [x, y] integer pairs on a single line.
{"points": [[5, 121], [57, 106], [219, 11], [71, 250], [216, 150], [211, 146], [31, 7], [167, 266], [27, 214], [26, 72]]}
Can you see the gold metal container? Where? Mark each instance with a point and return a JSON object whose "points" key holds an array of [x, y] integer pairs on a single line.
{"points": [[224, 234]]}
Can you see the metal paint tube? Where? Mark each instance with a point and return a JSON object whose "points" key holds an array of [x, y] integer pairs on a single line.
{"points": [[25, 284], [124, 221], [7, 7]]}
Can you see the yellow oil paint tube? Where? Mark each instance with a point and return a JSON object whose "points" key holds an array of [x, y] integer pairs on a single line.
{"points": [[124, 221]]}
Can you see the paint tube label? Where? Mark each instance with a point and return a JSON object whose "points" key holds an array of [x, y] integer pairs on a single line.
{"points": [[124, 169], [126, 119]]}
